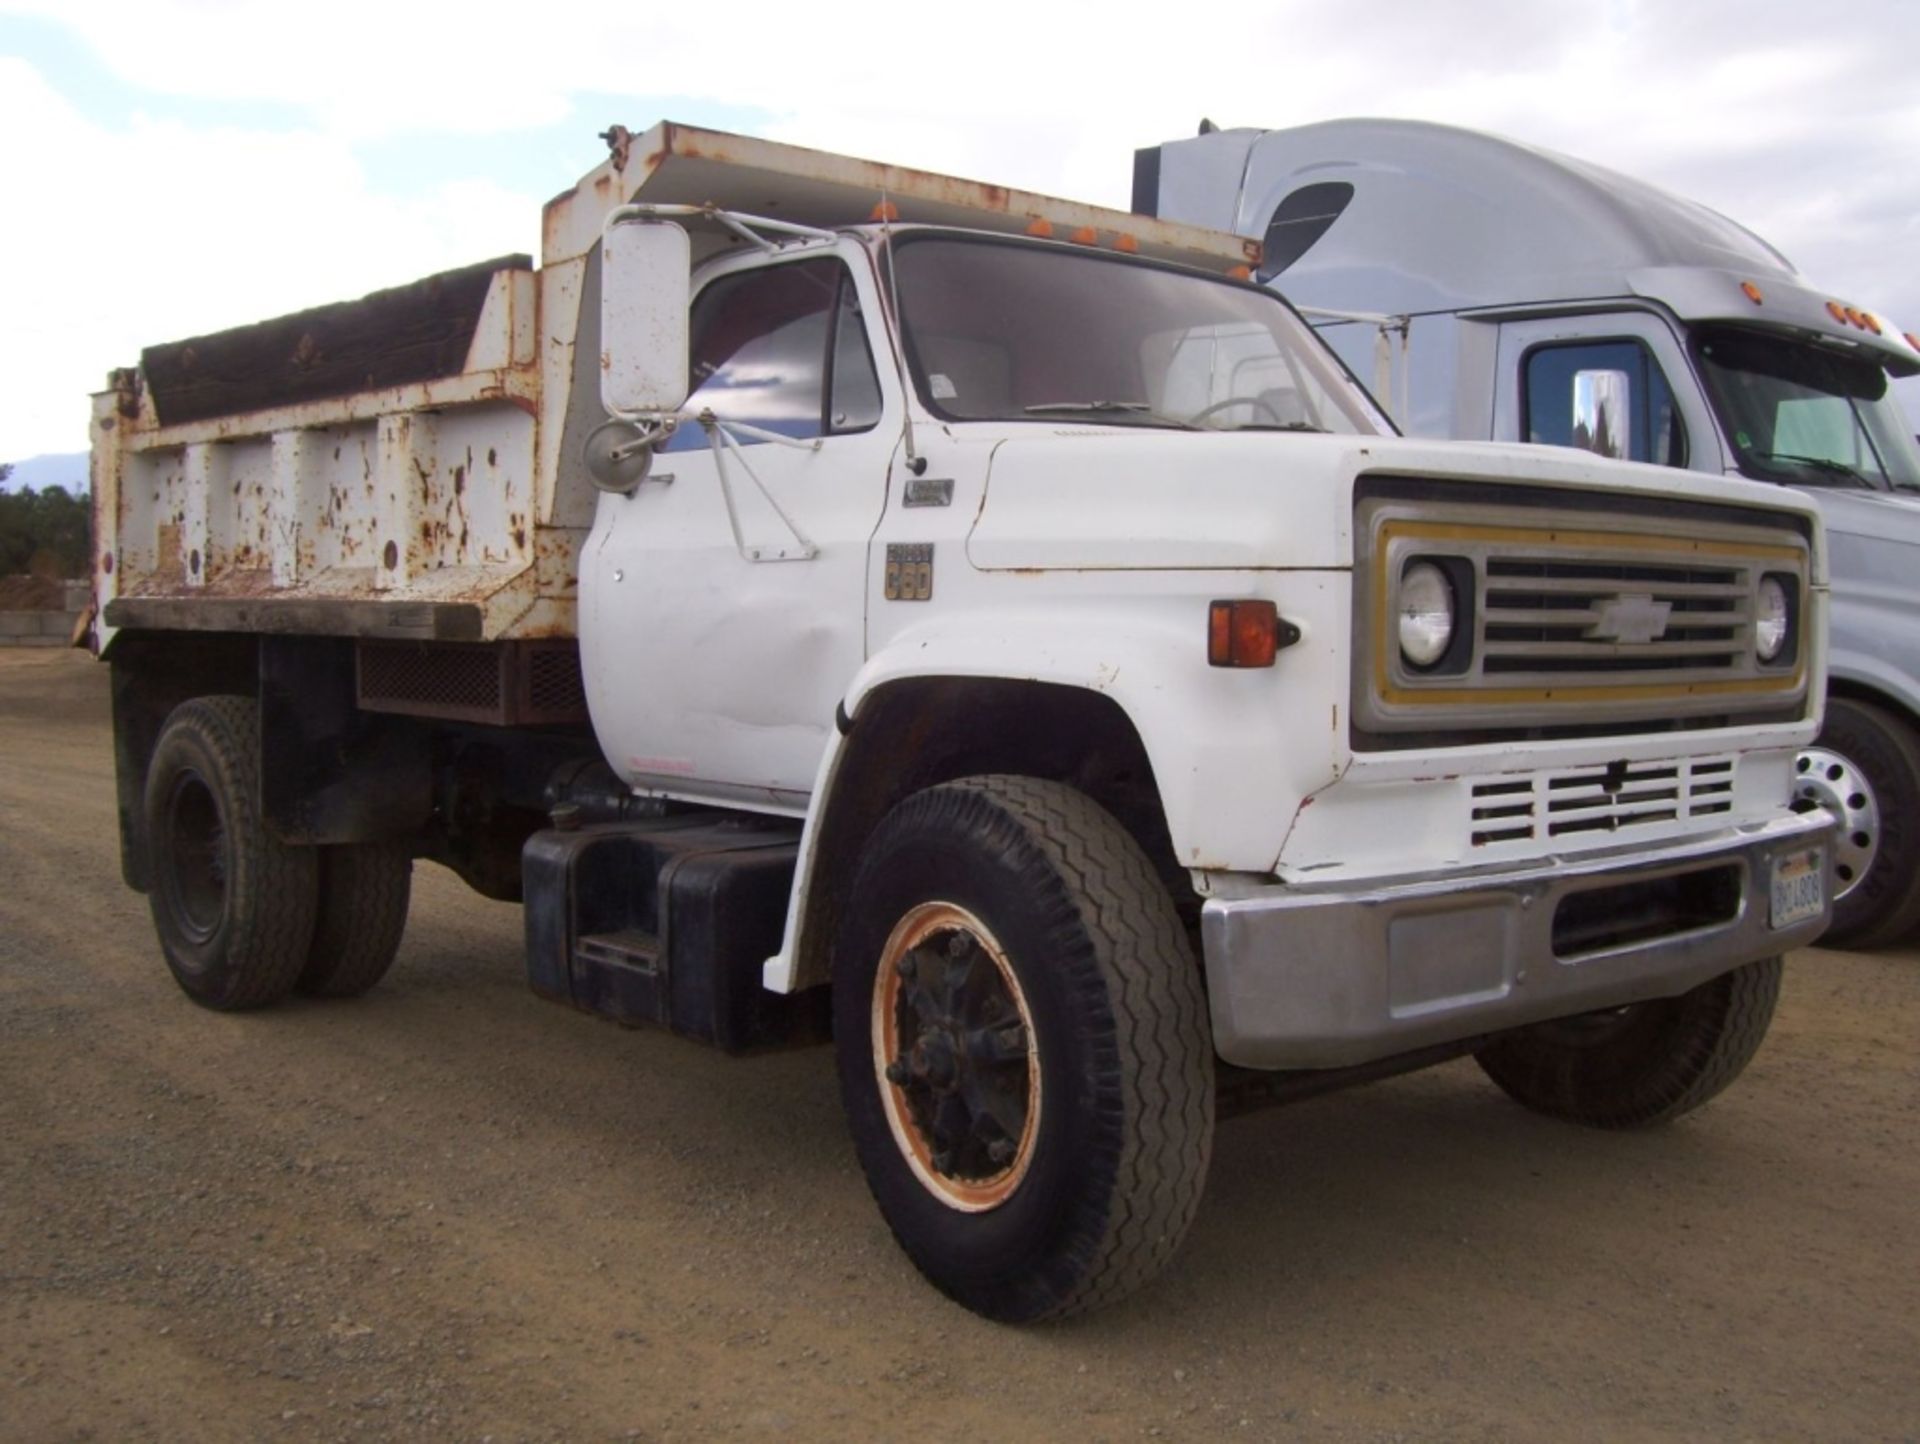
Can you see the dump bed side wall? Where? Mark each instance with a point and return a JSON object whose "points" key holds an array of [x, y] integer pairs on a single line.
{"points": [[412, 509]]}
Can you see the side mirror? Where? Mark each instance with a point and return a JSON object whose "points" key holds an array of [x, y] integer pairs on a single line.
{"points": [[644, 294], [1603, 413]]}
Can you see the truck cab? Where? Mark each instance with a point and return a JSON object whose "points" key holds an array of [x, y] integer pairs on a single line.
{"points": [[1490, 289]]}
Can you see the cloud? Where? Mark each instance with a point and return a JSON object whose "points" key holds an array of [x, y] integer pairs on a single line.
{"points": [[169, 225], [161, 231]]}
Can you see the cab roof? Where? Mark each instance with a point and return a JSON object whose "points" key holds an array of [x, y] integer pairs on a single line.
{"points": [[1501, 223]]}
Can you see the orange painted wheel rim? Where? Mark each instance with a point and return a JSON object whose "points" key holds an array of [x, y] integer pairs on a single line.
{"points": [[955, 1058]]}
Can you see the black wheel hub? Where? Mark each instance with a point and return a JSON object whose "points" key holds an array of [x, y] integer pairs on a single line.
{"points": [[963, 1060], [194, 857]]}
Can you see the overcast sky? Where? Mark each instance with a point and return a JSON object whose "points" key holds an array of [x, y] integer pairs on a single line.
{"points": [[173, 167]]}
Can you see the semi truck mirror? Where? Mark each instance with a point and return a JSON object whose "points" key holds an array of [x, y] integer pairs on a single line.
{"points": [[1603, 413], [644, 269]]}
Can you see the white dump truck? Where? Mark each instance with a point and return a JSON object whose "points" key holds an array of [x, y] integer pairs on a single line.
{"points": [[986, 629], [1495, 290]]}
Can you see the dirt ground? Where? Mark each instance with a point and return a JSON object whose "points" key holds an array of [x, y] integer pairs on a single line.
{"points": [[452, 1211]]}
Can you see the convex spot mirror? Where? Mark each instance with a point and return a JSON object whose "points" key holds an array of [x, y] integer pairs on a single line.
{"points": [[644, 294], [1603, 413]]}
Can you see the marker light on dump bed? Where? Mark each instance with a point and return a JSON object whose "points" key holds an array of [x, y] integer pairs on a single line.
{"points": [[1751, 292]]}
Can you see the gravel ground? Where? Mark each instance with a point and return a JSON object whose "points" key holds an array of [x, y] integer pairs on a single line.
{"points": [[451, 1211]]}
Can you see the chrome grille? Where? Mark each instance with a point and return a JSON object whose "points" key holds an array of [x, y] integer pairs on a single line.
{"points": [[1545, 805]]}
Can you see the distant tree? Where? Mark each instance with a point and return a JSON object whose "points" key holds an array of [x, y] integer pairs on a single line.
{"points": [[47, 532]]}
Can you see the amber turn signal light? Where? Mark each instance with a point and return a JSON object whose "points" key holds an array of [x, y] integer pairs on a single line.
{"points": [[1246, 634]]}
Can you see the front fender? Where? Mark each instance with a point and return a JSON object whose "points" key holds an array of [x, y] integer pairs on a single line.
{"points": [[1233, 751]]}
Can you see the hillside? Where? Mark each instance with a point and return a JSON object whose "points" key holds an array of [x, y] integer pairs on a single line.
{"points": [[67, 469]]}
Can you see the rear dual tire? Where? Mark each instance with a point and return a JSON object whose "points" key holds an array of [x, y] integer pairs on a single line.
{"points": [[243, 918]]}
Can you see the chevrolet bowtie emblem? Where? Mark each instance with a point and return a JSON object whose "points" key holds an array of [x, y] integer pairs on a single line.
{"points": [[1634, 618]]}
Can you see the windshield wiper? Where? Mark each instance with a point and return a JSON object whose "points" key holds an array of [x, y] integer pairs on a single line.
{"points": [[1823, 464], [1107, 408]]}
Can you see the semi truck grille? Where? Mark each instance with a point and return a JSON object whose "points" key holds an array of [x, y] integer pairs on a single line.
{"points": [[1541, 806], [1609, 615]]}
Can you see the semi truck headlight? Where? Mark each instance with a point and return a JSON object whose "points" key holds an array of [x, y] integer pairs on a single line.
{"points": [[1426, 614], [1772, 619]]}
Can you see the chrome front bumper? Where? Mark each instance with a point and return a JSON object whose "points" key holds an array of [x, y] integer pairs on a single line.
{"points": [[1327, 975]]}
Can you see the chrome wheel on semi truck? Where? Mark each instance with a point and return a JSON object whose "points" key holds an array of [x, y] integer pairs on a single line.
{"points": [[1865, 769], [1023, 1047]]}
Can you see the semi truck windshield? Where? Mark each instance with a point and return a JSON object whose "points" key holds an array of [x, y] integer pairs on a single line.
{"points": [[1009, 330], [1801, 414]]}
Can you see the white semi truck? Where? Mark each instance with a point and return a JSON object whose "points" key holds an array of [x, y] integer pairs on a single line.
{"points": [[1494, 290], [985, 628]]}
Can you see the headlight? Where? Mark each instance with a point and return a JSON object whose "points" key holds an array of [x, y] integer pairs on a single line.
{"points": [[1426, 614], [1771, 619]]}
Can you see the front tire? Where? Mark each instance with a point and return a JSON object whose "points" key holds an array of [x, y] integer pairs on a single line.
{"points": [[1644, 1064], [1865, 769], [232, 904], [1023, 1048]]}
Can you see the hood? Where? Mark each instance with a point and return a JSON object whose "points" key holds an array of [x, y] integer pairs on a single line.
{"points": [[1126, 498], [1873, 544], [1879, 515]]}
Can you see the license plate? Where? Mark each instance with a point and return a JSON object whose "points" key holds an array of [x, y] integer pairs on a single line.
{"points": [[1799, 890]]}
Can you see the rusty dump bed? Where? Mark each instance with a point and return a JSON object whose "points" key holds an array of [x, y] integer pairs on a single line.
{"points": [[408, 465]]}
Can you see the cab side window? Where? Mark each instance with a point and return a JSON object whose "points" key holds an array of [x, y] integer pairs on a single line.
{"points": [[782, 349], [1655, 431]]}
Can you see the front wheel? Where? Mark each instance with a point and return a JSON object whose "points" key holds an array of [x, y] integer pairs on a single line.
{"points": [[1644, 1064], [1023, 1047]]}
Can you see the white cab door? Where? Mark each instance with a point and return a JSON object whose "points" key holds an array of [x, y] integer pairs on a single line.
{"points": [[723, 602]]}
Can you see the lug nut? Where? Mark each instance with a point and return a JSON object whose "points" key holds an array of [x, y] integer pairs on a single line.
{"points": [[1000, 1150], [959, 945], [943, 1162], [898, 1072], [904, 966]]}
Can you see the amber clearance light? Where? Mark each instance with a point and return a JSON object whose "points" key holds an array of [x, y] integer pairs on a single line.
{"points": [[1247, 633]]}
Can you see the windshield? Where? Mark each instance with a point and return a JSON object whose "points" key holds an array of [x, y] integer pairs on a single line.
{"points": [[1016, 331], [1799, 413]]}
